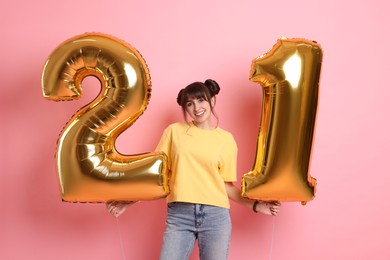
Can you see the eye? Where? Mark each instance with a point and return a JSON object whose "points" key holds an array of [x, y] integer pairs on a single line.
{"points": [[189, 104]]}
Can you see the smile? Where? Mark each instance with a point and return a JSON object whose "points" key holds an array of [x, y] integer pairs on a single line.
{"points": [[199, 113]]}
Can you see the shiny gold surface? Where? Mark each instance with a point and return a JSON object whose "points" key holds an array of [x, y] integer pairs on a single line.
{"points": [[88, 165], [289, 75]]}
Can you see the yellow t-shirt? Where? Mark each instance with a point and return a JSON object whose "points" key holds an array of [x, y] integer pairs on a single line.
{"points": [[199, 162]]}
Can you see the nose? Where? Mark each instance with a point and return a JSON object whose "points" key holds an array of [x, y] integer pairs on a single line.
{"points": [[196, 105]]}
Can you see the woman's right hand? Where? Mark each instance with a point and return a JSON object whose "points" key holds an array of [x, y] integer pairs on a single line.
{"points": [[116, 208]]}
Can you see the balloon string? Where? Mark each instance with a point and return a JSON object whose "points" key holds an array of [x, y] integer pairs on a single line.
{"points": [[272, 238], [120, 238]]}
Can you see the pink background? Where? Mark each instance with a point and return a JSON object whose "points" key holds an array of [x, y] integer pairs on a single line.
{"points": [[185, 41]]}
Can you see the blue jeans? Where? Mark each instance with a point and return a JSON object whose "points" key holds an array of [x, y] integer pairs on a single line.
{"points": [[188, 222]]}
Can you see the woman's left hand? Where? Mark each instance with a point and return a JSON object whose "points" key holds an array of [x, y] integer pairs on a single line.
{"points": [[270, 208], [116, 208]]}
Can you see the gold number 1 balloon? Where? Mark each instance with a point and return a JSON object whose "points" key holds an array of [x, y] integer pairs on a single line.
{"points": [[89, 167], [289, 75]]}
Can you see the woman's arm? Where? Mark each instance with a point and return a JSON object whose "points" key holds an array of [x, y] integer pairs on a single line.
{"points": [[265, 207]]}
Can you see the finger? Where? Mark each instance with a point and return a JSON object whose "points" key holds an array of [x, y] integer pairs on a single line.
{"points": [[114, 210], [274, 208]]}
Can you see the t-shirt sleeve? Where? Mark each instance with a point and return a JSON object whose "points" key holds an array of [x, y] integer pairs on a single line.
{"points": [[229, 166], [164, 145]]}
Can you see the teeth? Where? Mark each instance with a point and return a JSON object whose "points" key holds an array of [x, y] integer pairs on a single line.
{"points": [[199, 114]]}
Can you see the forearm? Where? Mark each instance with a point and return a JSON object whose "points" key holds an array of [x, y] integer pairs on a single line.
{"points": [[235, 194]]}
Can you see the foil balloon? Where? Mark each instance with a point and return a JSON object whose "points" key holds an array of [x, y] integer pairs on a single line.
{"points": [[89, 167], [289, 75]]}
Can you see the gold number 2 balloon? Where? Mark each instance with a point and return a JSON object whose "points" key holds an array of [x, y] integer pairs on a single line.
{"points": [[289, 75], [89, 167]]}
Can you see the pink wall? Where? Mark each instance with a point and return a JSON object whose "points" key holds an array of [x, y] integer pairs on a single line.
{"points": [[184, 41]]}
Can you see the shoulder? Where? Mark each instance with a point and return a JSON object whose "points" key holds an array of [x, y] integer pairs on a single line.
{"points": [[226, 134], [176, 127]]}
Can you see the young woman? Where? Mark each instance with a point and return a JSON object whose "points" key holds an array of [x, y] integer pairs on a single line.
{"points": [[202, 160]]}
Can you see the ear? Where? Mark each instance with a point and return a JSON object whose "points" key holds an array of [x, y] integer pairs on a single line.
{"points": [[212, 101]]}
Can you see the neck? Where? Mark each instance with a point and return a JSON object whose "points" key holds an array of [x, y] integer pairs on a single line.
{"points": [[204, 125]]}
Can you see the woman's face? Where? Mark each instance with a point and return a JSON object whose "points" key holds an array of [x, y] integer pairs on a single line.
{"points": [[199, 110]]}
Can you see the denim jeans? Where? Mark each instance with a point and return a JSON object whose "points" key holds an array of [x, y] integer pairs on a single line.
{"points": [[187, 222]]}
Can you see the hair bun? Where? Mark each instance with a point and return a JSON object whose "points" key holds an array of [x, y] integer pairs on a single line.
{"points": [[180, 97], [213, 87]]}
